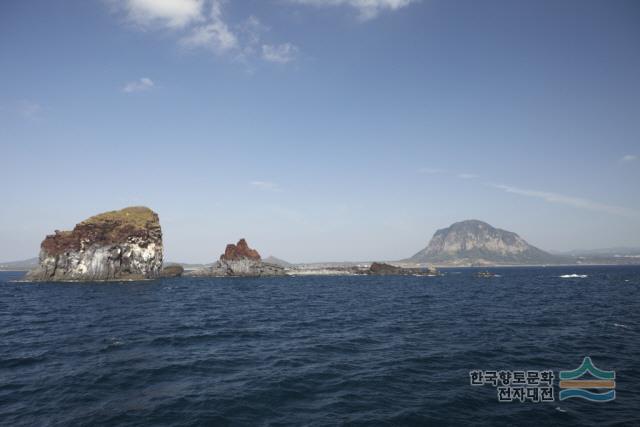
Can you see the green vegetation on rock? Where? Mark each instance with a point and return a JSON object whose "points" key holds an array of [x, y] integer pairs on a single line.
{"points": [[138, 216]]}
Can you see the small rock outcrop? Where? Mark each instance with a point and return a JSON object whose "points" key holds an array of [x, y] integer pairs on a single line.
{"points": [[383, 269], [172, 271], [116, 245], [240, 260]]}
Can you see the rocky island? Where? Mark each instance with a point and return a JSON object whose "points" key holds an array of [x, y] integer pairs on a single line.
{"points": [[116, 245], [239, 260]]}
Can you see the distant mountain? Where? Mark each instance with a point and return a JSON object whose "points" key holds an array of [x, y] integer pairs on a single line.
{"points": [[603, 252], [605, 256], [474, 242], [24, 265], [277, 261]]}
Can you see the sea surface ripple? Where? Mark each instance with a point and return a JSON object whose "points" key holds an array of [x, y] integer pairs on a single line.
{"points": [[314, 350]]}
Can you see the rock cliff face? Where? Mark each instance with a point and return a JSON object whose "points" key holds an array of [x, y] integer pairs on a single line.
{"points": [[475, 242], [240, 260], [116, 245]]}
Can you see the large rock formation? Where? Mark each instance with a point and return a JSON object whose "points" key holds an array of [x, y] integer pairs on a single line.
{"points": [[475, 242], [116, 245], [240, 260]]}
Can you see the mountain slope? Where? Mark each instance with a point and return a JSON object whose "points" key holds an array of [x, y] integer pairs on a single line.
{"points": [[474, 242], [23, 265]]}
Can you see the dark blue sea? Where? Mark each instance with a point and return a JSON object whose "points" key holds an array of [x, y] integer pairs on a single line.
{"points": [[319, 351]]}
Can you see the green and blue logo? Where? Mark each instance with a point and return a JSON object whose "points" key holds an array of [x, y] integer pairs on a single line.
{"points": [[572, 386]]}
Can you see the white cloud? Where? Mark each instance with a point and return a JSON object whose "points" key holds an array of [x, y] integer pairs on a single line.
{"points": [[167, 13], [215, 34], [253, 29], [266, 186], [367, 9], [200, 24], [282, 53], [467, 175], [141, 85], [629, 158], [576, 202]]}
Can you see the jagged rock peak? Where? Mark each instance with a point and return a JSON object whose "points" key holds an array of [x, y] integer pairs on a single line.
{"points": [[239, 260], [115, 245], [240, 250]]}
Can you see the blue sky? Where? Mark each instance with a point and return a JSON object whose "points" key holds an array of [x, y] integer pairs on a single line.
{"points": [[321, 129]]}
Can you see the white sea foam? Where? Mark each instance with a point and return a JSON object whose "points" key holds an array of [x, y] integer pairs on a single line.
{"points": [[559, 409], [574, 276], [619, 325]]}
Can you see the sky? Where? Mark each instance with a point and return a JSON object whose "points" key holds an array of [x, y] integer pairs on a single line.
{"points": [[321, 130]]}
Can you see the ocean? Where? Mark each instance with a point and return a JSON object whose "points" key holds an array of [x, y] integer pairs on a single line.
{"points": [[319, 351]]}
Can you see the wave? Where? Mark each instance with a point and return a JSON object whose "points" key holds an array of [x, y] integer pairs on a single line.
{"points": [[620, 325], [574, 276]]}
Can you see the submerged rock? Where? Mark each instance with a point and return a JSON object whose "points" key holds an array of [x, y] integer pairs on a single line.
{"points": [[240, 260], [116, 245]]}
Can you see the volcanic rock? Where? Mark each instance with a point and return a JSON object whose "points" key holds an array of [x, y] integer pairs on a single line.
{"points": [[241, 250], [116, 245]]}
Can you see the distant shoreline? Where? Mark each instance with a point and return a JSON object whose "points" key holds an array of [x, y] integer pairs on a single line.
{"points": [[321, 266]]}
